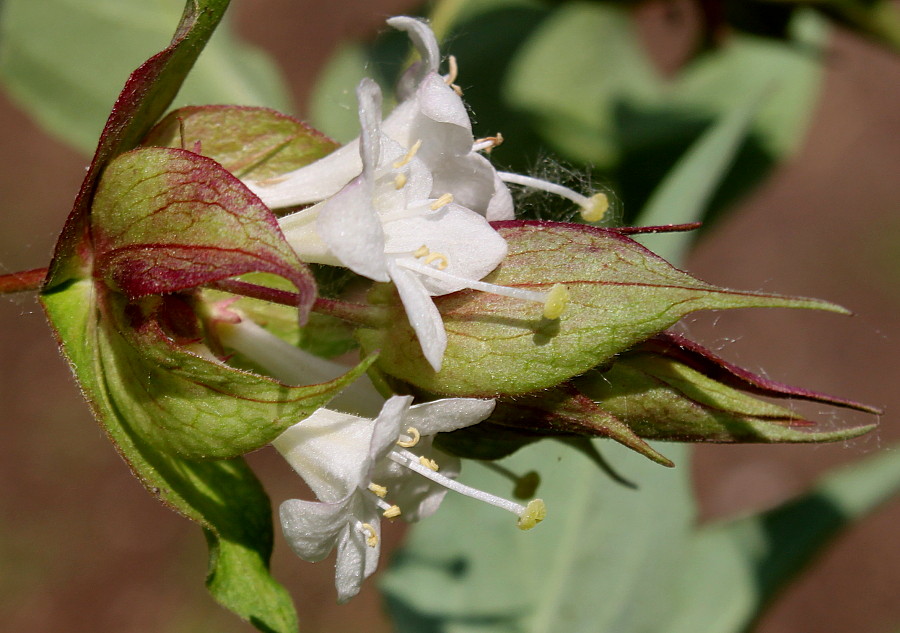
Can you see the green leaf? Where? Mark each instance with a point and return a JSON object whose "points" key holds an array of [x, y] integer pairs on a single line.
{"points": [[147, 93], [133, 366], [64, 61], [684, 194], [620, 294], [251, 143], [165, 220], [224, 497], [660, 398], [579, 571], [739, 566]]}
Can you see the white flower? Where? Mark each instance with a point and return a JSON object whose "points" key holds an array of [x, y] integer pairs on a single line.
{"points": [[384, 225], [431, 117], [341, 457]]}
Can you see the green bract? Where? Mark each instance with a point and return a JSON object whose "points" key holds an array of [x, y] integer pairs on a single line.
{"points": [[620, 295]]}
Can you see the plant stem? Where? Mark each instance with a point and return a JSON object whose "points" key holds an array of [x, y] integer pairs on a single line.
{"points": [[22, 281]]}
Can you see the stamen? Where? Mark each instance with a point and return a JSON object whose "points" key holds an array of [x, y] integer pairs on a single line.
{"points": [[529, 515], [442, 260], [487, 143], [592, 209], [397, 164], [422, 251], [380, 491], [450, 77], [556, 301], [443, 201], [371, 535], [414, 436], [400, 181], [429, 463], [393, 512]]}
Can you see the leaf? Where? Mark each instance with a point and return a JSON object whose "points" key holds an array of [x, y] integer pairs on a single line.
{"points": [[93, 327], [607, 558], [64, 60], [620, 294], [224, 497], [147, 93], [251, 143], [684, 194], [165, 220], [660, 398], [601, 546], [740, 565]]}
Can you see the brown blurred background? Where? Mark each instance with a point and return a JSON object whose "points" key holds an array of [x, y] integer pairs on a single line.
{"points": [[84, 548]]}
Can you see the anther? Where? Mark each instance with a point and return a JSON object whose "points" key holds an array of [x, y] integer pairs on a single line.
{"points": [[487, 143], [379, 491], [391, 513], [422, 251], [450, 77], [599, 204], [429, 463], [371, 535], [400, 181], [556, 301], [397, 164], [443, 201], [534, 513], [413, 434], [442, 261]]}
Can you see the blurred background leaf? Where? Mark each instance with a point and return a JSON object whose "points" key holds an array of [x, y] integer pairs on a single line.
{"points": [[64, 61]]}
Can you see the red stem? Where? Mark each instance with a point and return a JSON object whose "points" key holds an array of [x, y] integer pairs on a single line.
{"points": [[353, 312], [23, 281]]}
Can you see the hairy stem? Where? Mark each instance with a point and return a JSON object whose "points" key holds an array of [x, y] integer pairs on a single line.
{"points": [[23, 281]]}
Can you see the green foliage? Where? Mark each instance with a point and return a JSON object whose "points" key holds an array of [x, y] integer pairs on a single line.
{"points": [[612, 559], [64, 61], [224, 497]]}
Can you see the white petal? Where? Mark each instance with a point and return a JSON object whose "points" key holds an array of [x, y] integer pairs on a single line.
{"points": [[422, 38], [350, 227], [501, 205], [313, 182], [423, 315], [312, 529], [447, 414], [388, 426], [471, 246], [356, 559], [329, 450], [300, 232], [368, 95]]}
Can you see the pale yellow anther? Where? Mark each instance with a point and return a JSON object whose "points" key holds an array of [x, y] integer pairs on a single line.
{"points": [[489, 142], [454, 70], [414, 437], [442, 261], [443, 201], [397, 164], [422, 251], [391, 513], [556, 301], [371, 535], [594, 212], [534, 513], [400, 181], [379, 491], [429, 463]]}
